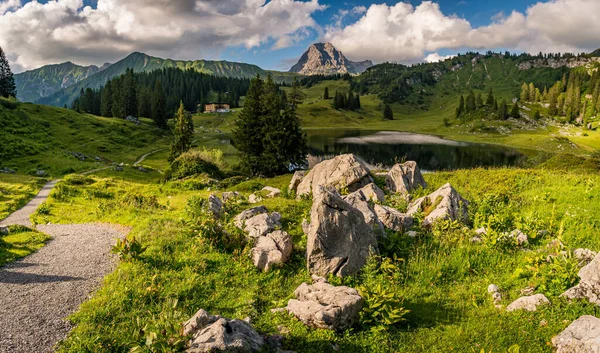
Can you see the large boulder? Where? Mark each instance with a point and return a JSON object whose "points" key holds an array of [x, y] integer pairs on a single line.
{"points": [[589, 283], [359, 201], [212, 333], [262, 224], [273, 249], [339, 240], [582, 336], [344, 171], [240, 220], [324, 306], [444, 203], [393, 219], [403, 178], [296, 179], [529, 303], [373, 193], [215, 206]]}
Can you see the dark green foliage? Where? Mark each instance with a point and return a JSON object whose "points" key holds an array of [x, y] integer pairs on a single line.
{"points": [[537, 115], [296, 96], [490, 98], [388, 114], [157, 106], [183, 133], [514, 112], [7, 81], [349, 101], [106, 100], [326, 93], [192, 163], [470, 104], [461, 107], [503, 110]]}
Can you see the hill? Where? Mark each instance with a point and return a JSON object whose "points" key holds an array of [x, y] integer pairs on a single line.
{"points": [[42, 82], [325, 59]]}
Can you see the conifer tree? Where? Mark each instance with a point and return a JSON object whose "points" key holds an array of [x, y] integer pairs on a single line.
{"points": [[106, 100], [524, 93], [326, 93], [157, 106], [296, 96], [7, 81], [470, 103], [183, 132], [479, 101], [495, 106], [490, 98], [503, 110], [514, 112], [247, 136], [461, 107], [537, 115], [388, 114], [531, 92]]}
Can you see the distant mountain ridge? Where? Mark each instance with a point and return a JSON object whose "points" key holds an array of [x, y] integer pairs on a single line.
{"points": [[325, 59]]}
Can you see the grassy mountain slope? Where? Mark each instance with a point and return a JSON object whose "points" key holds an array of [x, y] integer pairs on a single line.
{"points": [[39, 83], [144, 63], [40, 137]]}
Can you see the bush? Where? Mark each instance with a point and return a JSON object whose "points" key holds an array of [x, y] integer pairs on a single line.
{"points": [[78, 180], [128, 250], [194, 162], [9, 103]]}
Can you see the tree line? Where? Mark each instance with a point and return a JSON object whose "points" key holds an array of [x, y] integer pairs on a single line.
{"points": [[158, 94], [475, 103]]}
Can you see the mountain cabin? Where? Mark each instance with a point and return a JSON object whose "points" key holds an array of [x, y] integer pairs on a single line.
{"points": [[217, 108]]}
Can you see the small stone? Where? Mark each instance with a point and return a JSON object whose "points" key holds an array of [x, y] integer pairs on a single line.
{"points": [[529, 303], [230, 195], [273, 192], [492, 288], [253, 198], [481, 231], [4, 230], [411, 234], [543, 323], [497, 297]]}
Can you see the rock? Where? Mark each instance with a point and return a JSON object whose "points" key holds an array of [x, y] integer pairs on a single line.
{"points": [[142, 169], [481, 231], [240, 220], [497, 297], [520, 237], [344, 171], [590, 126], [273, 249], [339, 240], [4, 230], [215, 333], [118, 168], [492, 288], [403, 178], [296, 179], [444, 203], [253, 198], [273, 192], [411, 234], [529, 290], [529, 303], [373, 193], [262, 224], [393, 219], [215, 206], [324, 306], [230, 195], [305, 226], [40, 173], [589, 283], [584, 256], [359, 201], [476, 240], [6, 170], [582, 336]]}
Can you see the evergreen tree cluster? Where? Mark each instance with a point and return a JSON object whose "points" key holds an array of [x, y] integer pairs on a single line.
{"points": [[349, 101], [474, 104], [268, 134], [7, 81], [309, 81], [158, 94]]}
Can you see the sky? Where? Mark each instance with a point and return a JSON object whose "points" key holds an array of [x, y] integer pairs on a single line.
{"points": [[274, 33]]}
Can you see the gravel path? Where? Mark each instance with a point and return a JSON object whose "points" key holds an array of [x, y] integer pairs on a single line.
{"points": [[21, 216]]}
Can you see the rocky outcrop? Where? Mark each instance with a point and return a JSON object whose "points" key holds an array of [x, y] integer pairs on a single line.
{"points": [[324, 306], [584, 256], [325, 59], [272, 192], [582, 336], [404, 178], [529, 303], [393, 219], [341, 172], [444, 203], [215, 206], [339, 240], [240, 220], [373, 193], [589, 283], [212, 333], [273, 249], [557, 62], [359, 201], [296, 179], [230, 195], [262, 224]]}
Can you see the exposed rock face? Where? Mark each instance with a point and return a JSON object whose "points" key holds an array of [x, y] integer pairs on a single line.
{"points": [[273, 249], [324, 306], [273, 192], [589, 284], [262, 224], [344, 171], [215, 206], [240, 220], [403, 178], [444, 203], [325, 59], [339, 240], [582, 336], [529, 303], [373, 193], [296, 179], [359, 201], [393, 219], [557, 63], [215, 333]]}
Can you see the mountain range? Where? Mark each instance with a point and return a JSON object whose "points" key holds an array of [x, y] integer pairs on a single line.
{"points": [[325, 59]]}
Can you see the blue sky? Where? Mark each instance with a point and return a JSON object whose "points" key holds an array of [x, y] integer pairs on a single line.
{"points": [[275, 33]]}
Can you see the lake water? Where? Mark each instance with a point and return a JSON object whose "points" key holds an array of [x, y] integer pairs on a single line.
{"points": [[385, 148]]}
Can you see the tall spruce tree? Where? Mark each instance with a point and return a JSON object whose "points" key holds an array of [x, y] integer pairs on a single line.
{"points": [[157, 106], [514, 112], [296, 96], [461, 107], [388, 114], [247, 135], [106, 100], [326, 93], [183, 132], [490, 98], [7, 81], [503, 110]]}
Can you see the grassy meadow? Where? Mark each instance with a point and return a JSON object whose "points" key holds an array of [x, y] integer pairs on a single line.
{"points": [[20, 242]]}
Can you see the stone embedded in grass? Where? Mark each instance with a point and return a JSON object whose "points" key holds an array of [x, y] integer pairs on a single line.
{"points": [[582, 336], [215, 206], [444, 203], [273, 249], [296, 179], [272, 192], [393, 219], [341, 172], [492, 288], [404, 178], [322, 305], [4, 230], [529, 303], [262, 224], [589, 283], [240, 220], [520, 237], [253, 198], [212, 333], [339, 241], [230, 195], [584, 256]]}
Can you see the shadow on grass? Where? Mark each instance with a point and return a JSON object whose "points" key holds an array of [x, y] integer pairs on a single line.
{"points": [[429, 314]]}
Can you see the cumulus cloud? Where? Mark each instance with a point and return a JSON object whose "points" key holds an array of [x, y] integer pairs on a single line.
{"points": [[405, 33], [436, 57], [36, 34]]}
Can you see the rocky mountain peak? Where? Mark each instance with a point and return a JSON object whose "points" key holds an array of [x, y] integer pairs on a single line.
{"points": [[325, 59]]}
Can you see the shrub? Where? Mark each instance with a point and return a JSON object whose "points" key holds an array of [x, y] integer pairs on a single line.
{"points": [[141, 202], [193, 163], [63, 192], [201, 222], [43, 209], [128, 250], [78, 180], [9, 103]]}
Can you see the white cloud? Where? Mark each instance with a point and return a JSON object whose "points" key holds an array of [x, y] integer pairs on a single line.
{"points": [[436, 57], [7, 5], [405, 33], [36, 34]]}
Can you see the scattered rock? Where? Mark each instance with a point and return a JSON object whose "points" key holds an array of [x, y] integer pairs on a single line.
{"points": [[215, 333], [142, 169], [584, 256], [582, 336], [529, 290], [393, 219], [444, 203], [403, 178], [215, 206], [476, 240], [492, 288], [240, 220], [373, 193], [529, 303], [481, 231], [118, 168], [520, 237], [273, 249], [4, 230], [296, 179], [273, 192], [344, 171], [359, 201], [230, 195], [324, 306], [79, 156], [6, 170], [339, 240], [40, 173], [262, 224], [495, 292], [411, 234], [589, 283], [497, 297], [253, 198]]}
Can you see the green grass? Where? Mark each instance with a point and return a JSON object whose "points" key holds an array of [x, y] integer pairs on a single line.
{"points": [[19, 243], [441, 277], [16, 191]]}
